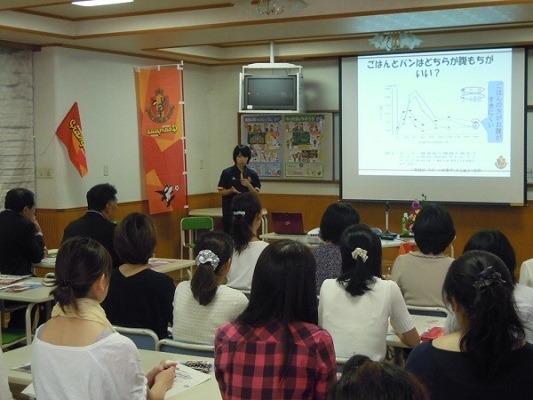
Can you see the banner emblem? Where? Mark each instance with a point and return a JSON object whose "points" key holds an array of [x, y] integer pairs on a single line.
{"points": [[160, 109]]}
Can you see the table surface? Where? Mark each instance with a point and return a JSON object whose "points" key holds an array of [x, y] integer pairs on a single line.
{"points": [[173, 264], [212, 212], [149, 359], [422, 324], [272, 236], [40, 294]]}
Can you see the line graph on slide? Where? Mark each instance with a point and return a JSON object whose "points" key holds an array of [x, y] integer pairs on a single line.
{"points": [[416, 116]]}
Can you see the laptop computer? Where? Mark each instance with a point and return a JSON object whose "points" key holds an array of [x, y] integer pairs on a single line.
{"points": [[288, 223]]}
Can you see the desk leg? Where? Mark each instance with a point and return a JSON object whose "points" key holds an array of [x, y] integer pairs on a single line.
{"points": [[28, 322]]}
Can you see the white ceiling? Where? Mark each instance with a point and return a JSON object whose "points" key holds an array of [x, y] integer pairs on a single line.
{"points": [[217, 32]]}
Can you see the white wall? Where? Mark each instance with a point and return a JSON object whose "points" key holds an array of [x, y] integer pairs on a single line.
{"points": [[104, 87]]}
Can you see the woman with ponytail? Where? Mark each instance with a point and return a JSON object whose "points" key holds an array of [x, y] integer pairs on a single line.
{"points": [[488, 357], [77, 354], [205, 303], [355, 308], [247, 213]]}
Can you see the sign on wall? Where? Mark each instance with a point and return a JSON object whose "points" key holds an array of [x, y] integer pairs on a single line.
{"points": [[290, 146]]}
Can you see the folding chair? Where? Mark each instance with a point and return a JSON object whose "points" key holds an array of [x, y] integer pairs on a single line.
{"points": [[143, 338], [190, 226]]}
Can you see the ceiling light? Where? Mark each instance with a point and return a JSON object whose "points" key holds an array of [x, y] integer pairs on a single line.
{"points": [[93, 3], [271, 7], [395, 40]]}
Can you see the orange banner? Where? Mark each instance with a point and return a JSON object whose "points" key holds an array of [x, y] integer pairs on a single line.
{"points": [[70, 133], [160, 104]]}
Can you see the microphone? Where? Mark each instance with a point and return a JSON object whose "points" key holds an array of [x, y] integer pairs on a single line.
{"points": [[387, 235]]}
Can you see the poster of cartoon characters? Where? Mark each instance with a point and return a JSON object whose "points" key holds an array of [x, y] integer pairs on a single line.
{"points": [[262, 133], [297, 146]]}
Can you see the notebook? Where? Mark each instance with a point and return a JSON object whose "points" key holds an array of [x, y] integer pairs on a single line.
{"points": [[288, 223]]}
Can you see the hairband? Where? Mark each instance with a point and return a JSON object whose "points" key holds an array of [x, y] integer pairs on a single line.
{"points": [[207, 256], [359, 252], [65, 283], [487, 278], [241, 213]]}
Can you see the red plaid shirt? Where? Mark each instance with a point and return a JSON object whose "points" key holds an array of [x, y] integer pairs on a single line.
{"points": [[248, 361]]}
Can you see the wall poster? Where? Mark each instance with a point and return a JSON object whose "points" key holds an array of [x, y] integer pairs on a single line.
{"points": [[289, 146]]}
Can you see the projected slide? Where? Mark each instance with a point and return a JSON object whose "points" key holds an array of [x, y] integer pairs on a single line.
{"points": [[435, 114]]}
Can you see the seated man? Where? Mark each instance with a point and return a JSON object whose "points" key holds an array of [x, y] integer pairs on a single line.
{"points": [[98, 222], [21, 238]]}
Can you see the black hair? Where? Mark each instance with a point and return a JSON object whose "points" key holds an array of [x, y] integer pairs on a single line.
{"points": [[479, 283], [204, 282], [80, 262], [135, 239], [356, 274], [242, 150], [283, 289], [364, 379], [495, 242], [18, 198], [98, 196], [433, 229], [335, 220], [249, 204]]}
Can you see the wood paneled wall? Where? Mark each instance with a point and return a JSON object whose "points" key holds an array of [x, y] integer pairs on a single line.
{"points": [[515, 222]]}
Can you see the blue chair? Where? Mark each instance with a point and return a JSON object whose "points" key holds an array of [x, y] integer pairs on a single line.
{"points": [[186, 348], [143, 338]]}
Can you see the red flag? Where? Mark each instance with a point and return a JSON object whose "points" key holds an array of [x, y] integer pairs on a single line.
{"points": [[70, 133]]}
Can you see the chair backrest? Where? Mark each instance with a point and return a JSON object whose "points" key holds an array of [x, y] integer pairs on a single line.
{"points": [[189, 226], [429, 311], [186, 348], [341, 362], [143, 338]]}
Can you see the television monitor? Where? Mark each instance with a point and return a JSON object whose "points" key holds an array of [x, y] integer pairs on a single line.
{"points": [[273, 93]]}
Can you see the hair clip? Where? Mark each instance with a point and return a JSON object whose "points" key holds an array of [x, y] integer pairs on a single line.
{"points": [[65, 283], [487, 278], [359, 252], [207, 256], [241, 213]]}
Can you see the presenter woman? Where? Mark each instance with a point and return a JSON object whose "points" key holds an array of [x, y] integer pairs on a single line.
{"points": [[236, 179]]}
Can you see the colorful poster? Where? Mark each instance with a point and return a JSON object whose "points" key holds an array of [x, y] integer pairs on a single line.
{"points": [[263, 134], [303, 136], [160, 105], [297, 146]]}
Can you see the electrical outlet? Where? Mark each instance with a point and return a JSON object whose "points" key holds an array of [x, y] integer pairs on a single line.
{"points": [[106, 170], [44, 173]]}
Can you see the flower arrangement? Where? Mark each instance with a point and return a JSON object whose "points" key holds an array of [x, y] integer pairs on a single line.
{"points": [[416, 206]]}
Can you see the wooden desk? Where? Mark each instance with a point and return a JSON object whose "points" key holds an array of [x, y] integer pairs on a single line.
{"points": [[217, 213], [32, 297], [207, 390]]}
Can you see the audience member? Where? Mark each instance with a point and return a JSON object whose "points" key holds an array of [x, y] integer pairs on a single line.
{"points": [[355, 308], [496, 242], [364, 379], [275, 350], [77, 354], [237, 179], [488, 357], [205, 303], [526, 273], [335, 220], [21, 237], [98, 222], [420, 274], [246, 221], [138, 296]]}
